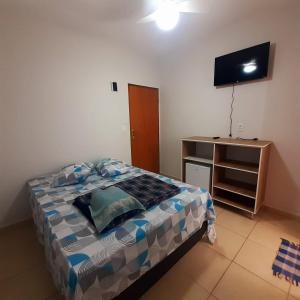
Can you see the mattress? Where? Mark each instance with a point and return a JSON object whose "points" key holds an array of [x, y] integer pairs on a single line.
{"points": [[88, 265]]}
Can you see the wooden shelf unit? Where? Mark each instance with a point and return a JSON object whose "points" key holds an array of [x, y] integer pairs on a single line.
{"points": [[239, 168]]}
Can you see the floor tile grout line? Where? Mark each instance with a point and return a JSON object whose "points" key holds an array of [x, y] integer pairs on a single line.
{"points": [[244, 236], [239, 250], [231, 261], [210, 292], [264, 246], [256, 222], [197, 283], [222, 254], [191, 278], [259, 220], [229, 229], [219, 253], [246, 239], [276, 287], [221, 277], [259, 243]]}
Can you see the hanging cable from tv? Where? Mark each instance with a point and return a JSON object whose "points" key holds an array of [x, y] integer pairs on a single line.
{"points": [[231, 110]]}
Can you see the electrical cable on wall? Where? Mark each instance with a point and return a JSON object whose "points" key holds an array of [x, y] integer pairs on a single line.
{"points": [[231, 111]]}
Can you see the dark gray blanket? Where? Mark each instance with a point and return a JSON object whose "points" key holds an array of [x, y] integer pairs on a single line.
{"points": [[148, 190]]}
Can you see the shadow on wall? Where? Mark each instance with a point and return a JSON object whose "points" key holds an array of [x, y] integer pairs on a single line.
{"points": [[19, 209], [282, 190]]}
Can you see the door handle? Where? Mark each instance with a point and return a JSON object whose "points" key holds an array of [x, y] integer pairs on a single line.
{"points": [[132, 134]]}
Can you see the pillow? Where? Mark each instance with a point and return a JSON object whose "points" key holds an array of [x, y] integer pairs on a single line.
{"points": [[111, 167], [83, 204], [72, 174], [111, 203]]}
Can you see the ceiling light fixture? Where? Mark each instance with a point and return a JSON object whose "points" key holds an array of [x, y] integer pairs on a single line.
{"points": [[167, 16]]}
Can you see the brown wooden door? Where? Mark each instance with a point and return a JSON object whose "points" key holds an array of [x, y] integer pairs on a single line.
{"points": [[144, 127]]}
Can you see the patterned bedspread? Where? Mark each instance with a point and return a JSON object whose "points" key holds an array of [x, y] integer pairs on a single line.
{"points": [[86, 265]]}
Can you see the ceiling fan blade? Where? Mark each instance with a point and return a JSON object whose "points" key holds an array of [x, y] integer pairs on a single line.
{"points": [[149, 18], [194, 6]]}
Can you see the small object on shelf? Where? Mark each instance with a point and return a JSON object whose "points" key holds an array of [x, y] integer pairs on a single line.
{"points": [[245, 139], [216, 137]]}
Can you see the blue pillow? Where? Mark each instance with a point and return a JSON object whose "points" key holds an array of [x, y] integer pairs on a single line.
{"points": [[73, 174], [111, 167], [83, 204], [111, 203]]}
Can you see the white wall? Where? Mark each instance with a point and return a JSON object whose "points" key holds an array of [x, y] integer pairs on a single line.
{"points": [[57, 106], [190, 105]]}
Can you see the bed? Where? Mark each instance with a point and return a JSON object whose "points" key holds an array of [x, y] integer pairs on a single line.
{"points": [[124, 262]]}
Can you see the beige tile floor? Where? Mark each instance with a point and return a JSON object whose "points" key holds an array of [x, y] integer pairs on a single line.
{"points": [[237, 266]]}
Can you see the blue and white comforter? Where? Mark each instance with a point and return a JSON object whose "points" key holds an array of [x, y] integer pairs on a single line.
{"points": [[86, 265]]}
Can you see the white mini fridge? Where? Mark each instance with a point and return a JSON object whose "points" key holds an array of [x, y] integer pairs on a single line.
{"points": [[198, 175]]}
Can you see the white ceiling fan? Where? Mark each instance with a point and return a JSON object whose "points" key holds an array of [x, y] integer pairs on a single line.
{"points": [[167, 12]]}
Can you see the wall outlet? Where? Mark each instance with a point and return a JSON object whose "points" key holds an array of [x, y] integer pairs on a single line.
{"points": [[241, 127]]}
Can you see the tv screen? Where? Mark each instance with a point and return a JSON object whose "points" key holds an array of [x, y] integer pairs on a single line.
{"points": [[244, 65]]}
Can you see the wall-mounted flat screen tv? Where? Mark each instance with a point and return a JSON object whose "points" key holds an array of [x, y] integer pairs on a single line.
{"points": [[244, 65]]}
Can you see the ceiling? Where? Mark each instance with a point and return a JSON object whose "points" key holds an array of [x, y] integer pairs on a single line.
{"points": [[118, 18]]}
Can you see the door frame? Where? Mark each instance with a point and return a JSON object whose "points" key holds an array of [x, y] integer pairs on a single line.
{"points": [[159, 133]]}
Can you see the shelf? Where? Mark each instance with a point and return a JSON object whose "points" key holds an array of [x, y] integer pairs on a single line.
{"points": [[233, 203], [229, 141], [199, 159], [240, 166], [237, 188]]}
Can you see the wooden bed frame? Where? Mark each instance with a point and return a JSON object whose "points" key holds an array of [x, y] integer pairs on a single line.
{"points": [[139, 287]]}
